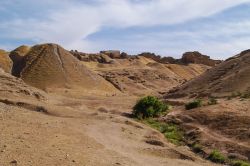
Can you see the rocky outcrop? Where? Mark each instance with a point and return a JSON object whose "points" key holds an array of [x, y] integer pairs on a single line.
{"points": [[188, 57], [108, 57], [198, 58], [114, 54], [105, 57], [158, 58], [101, 58]]}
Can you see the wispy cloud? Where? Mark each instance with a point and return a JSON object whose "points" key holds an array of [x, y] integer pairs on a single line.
{"points": [[71, 22]]}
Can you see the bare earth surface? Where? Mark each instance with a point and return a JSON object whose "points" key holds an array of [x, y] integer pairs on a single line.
{"points": [[224, 126], [46, 129], [231, 76], [83, 115]]}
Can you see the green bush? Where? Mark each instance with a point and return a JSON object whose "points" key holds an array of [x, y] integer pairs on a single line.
{"points": [[193, 104], [217, 157], [171, 131], [149, 107], [240, 163]]}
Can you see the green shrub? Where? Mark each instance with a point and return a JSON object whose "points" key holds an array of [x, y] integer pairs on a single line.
{"points": [[171, 131], [217, 157], [240, 163], [193, 104], [149, 107], [212, 101]]}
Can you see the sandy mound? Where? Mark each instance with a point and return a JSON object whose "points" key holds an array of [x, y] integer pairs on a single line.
{"points": [[231, 76], [50, 66], [5, 61]]}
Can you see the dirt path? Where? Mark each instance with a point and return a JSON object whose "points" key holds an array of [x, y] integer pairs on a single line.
{"points": [[76, 133]]}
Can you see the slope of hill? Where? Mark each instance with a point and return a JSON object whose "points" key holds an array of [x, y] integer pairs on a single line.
{"points": [[223, 127], [12, 87], [139, 75], [187, 58], [5, 61], [49, 66], [223, 124], [230, 77], [49, 129], [17, 57]]}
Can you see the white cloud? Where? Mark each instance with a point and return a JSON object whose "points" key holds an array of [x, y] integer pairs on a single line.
{"points": [[219, 40], [72, 23]]}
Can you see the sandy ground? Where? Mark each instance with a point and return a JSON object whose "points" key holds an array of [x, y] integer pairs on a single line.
{"points": [[88, 131]]}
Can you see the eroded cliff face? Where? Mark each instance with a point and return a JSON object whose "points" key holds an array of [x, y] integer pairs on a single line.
{"points": [[5, 61], [187, 58], [17, 56], [198, 58], [102, 57]]}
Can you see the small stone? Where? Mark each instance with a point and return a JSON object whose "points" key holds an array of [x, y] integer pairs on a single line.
{"points": [[13, 162]]}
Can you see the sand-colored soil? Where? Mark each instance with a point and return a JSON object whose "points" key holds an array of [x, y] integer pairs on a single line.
{"points": [[91, 130]]}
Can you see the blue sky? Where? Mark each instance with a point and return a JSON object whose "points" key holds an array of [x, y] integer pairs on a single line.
{"points": [[219, 29]]}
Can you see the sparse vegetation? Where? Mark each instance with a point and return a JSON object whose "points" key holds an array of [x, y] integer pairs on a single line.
{"points": [[193, 104], [217, 157], [197, 148], [171, 131], [149, 107], [245, 95], [212, 101], [240, 163]]}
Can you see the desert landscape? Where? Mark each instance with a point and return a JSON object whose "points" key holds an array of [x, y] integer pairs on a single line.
{"points": [[62, 107], [124, 83]]}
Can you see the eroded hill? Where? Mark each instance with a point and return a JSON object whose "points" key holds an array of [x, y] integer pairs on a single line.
{"points": [[50, 67], [139, 75], [222, 122], [231, 76], [60, 127]]}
